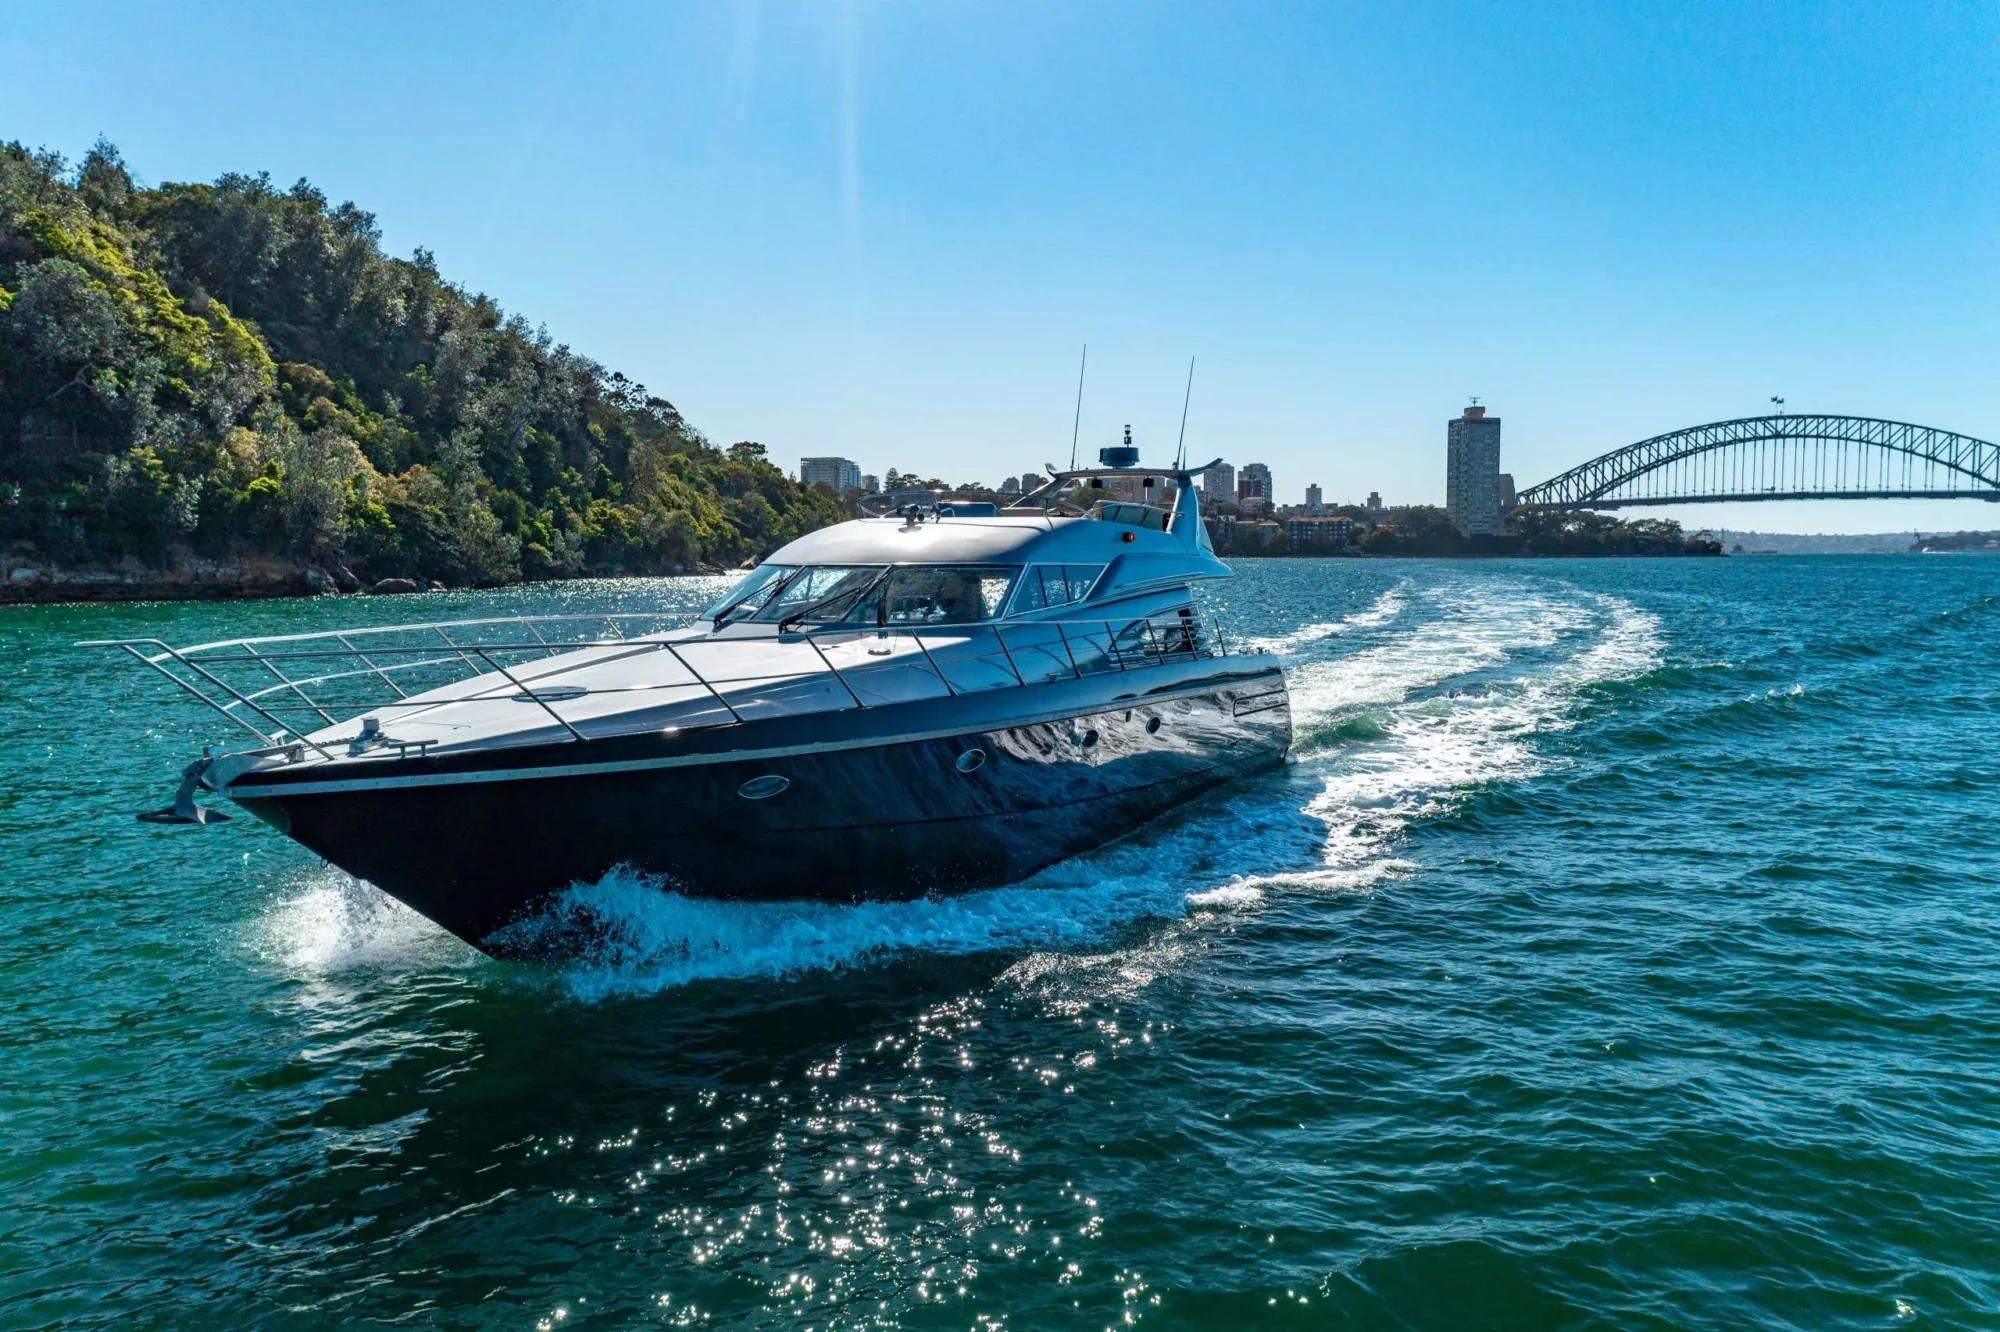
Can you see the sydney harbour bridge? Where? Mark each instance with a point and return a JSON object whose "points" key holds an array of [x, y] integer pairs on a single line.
{"points": [[1781, 457]]}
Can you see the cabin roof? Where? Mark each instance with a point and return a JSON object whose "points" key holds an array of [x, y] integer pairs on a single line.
{"points": [[933, 541]]}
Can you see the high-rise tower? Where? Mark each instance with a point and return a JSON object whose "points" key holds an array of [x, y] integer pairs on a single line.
{"points": [[1472, 473], [1218, 485]]}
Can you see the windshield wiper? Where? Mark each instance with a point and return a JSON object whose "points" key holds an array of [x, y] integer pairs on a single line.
{"points": [[835, 599], [722, 616]]}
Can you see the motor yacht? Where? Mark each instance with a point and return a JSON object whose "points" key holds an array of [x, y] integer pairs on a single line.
{"points": [[931, 698]]}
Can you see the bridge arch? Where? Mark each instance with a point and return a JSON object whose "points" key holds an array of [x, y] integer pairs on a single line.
{"points": [[1781, 458]]}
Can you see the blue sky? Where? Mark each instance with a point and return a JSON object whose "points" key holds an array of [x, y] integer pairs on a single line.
{"points": [[885, 230]]}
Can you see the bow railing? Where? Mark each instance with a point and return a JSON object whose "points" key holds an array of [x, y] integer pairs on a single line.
{"points": [[583, 671]]}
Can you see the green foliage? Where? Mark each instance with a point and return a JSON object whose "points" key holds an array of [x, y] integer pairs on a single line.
{"points": [[236, 368], [1425, 530], [1419, 529], [1583, 532]]}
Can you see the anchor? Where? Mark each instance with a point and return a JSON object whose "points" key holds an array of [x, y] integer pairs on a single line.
{"points": [[184, 810]]}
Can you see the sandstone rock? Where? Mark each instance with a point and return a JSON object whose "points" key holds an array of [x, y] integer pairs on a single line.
{"points": [[318, 581], [393, 586]]}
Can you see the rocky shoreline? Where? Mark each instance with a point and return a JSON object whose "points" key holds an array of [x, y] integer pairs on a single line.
{"points": [[25, 581]]}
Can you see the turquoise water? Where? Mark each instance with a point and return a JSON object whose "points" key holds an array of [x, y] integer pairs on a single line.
{"points": [[1619, 949]]}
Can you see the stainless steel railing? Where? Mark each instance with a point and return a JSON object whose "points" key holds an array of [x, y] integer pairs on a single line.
{"points": [[282, 688]]}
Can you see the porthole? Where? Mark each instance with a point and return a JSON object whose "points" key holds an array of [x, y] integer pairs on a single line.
{"points": [[972, 760], [1089, 739], [763, 788], [1152, 726]]}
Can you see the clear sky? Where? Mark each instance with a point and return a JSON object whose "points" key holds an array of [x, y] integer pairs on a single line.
{"points": [[886, 230]]}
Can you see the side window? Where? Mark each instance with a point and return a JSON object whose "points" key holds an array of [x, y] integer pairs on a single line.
{"points": [[1080, 577], [1045, 586], [937, 596], [1031, 597], [992, 592]]}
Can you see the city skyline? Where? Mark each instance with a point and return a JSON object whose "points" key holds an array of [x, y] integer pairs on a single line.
{"points": [[880, 231], [1479, 496]]}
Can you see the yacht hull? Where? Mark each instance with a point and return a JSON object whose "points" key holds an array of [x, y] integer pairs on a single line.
{"points": [[886, 803]]}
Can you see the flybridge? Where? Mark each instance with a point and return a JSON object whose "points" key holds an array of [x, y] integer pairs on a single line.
{"points": [[1178, 513]]}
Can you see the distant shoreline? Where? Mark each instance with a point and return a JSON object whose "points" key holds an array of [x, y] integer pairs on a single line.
{"points": [[272, 580], [247, 579]]}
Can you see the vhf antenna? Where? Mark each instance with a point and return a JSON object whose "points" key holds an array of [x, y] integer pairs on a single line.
{"points": [[1180, 452], [1079, 406]]}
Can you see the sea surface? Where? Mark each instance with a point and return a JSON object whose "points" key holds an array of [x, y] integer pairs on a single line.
{"points": [[1621, 947]]}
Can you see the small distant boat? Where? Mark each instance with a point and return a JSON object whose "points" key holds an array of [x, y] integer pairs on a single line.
{"points": [[940, 697]]}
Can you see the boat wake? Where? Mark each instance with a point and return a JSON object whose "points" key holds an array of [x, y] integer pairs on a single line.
{"points": [[1397, 733], [643, 938], [1384, 609]]}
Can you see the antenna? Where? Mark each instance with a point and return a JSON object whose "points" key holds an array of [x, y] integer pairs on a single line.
{"points": [[1180, 450], [1073, 425]]}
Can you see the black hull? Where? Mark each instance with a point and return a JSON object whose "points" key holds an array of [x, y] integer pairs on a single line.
{"points": [[861, 816]]}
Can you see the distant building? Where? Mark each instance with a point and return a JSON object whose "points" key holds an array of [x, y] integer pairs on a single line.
{"points": [[1250, 506], [1132, 489], [871, 484], [1315, 501], [1507, 499], [1031, 482], [1374, 504], [1254, 480], [1318, 533], [1472, 473], [1218, 485], [1011, 486], [838, 474]]}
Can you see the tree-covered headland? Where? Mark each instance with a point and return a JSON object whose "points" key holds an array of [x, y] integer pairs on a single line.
{"points": [[228, 370], [1422, 530], [1426, 531]]}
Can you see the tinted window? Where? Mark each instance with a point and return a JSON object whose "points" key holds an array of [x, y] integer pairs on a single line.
{"points": [[1080, 577], [946, 594], [1046, 585]]}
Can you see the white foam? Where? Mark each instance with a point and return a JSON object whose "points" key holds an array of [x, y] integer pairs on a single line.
{"points": [[330, 922], [1430, 750], [1470, 633], [1239, 894], [1382, 610], [653, 939]]}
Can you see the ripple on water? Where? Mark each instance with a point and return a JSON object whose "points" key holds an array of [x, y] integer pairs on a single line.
{"points": [[1576, 971]]}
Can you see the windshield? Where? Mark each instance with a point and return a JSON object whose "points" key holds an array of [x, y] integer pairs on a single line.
{"points": [[823, 590], [749, 593], [868, 594]]}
